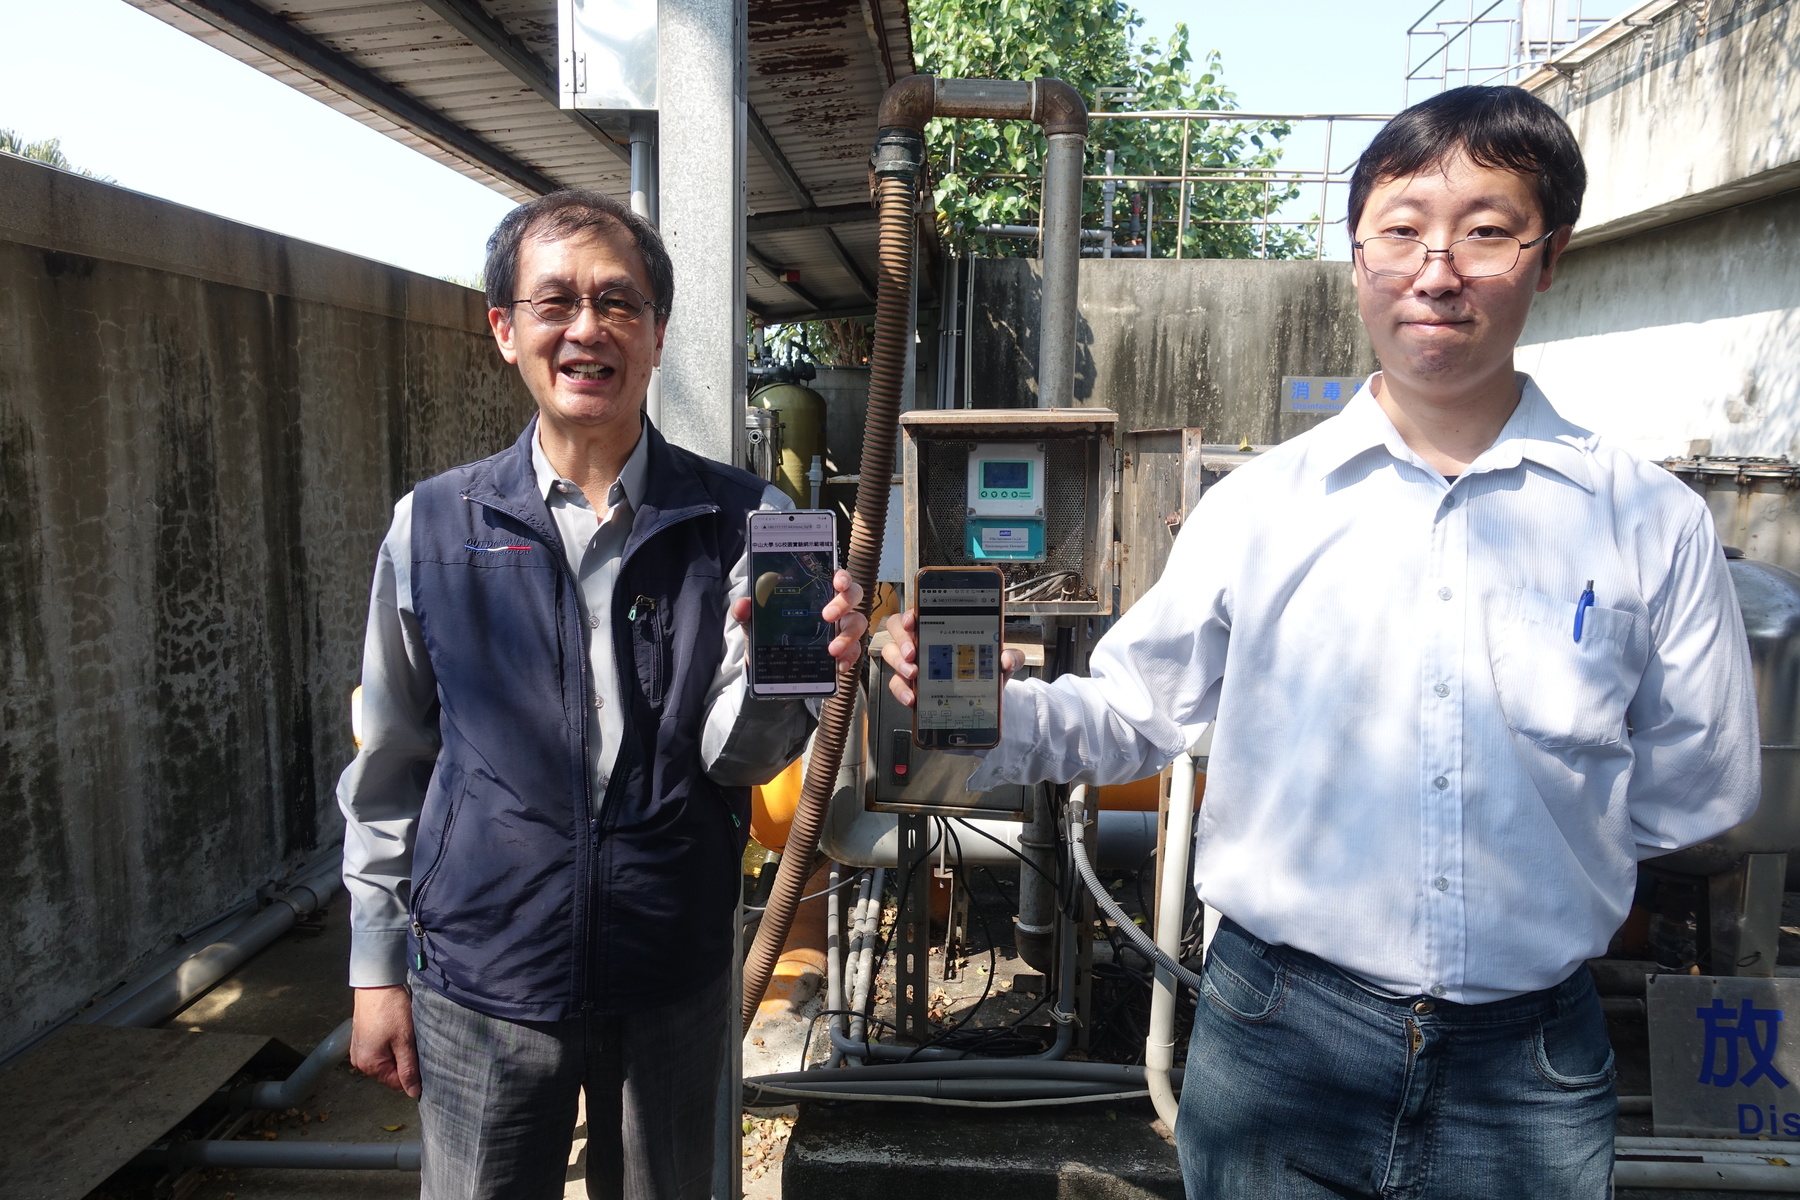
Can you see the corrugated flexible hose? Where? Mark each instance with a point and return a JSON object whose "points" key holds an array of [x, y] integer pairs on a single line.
{"points": [[898, 172]]}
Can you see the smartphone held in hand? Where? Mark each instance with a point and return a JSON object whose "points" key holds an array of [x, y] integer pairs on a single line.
{"points": [[957, 689], [793, 556]]}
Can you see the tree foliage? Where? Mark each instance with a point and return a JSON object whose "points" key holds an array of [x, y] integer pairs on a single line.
{"points": [[48, 151], [986, 173]]}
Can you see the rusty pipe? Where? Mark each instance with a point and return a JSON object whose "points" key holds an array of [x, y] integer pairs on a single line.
{"points": [[1059, 108], [899, 162]]}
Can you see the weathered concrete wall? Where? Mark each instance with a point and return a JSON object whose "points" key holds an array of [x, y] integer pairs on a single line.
{"points": [[1686, 109], [1170, 344], [1680, 335], [203, 428]]}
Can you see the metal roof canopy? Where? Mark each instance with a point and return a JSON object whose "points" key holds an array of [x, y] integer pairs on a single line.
{"points": [[472, 84]]}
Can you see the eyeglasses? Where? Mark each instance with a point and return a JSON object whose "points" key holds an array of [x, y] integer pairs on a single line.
{"points": [[554, 306], [1470, 257]]}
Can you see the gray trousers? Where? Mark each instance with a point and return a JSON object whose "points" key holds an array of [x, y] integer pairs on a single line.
{"points": [[497, 1113]]}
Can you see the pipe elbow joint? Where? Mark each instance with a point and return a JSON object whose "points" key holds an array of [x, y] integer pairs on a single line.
{"points": [[1060, 108], [908, 104]]}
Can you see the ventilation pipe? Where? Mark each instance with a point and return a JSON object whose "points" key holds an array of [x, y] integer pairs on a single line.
{"points": [[898, 165]]}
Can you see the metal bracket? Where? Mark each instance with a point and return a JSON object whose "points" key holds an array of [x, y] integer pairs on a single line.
{"points": [[912, 932]]}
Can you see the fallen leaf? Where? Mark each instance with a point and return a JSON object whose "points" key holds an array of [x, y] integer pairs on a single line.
{"points": [[324, 1116], [395, 1128]]}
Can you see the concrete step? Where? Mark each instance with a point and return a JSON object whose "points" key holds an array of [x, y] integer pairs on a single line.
{"points": [[845, 1151]]}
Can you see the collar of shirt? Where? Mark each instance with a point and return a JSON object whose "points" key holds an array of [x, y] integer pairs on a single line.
{"points": [[629, 486], [1534, 431]]}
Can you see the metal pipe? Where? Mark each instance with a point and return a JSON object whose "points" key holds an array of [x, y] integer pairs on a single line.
{"points": [[185, 982], [279, 1095], [1080, 1095], [1036, 922], [1707, 1145], [313, 1156], [1111, 1074], [1061, 252], [1712, 1177], [644, 202], [967, 1089], [1171, 907]]}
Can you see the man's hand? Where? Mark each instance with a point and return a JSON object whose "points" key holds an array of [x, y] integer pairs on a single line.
{"points": [[381, 1038], [901, 652], [840, 610]]}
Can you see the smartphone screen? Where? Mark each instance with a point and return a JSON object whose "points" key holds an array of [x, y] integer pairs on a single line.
{"points": [[793, 556], [959, 680]]}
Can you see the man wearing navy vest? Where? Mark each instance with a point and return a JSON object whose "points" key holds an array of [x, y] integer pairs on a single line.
{"points": [[545, 819]]}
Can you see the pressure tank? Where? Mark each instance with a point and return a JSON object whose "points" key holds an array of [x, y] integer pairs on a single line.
{"points": [[1769, 598], [801, 412]]}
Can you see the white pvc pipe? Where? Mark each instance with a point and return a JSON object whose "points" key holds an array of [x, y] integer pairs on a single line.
{"points": [[1171, 904]]}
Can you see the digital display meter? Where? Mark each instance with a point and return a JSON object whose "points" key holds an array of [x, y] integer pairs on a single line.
{"points": [[1006, 502]]}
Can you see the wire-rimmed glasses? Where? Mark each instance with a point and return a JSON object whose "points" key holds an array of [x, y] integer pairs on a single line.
{"points": [[1470, 257], [558, 306]]}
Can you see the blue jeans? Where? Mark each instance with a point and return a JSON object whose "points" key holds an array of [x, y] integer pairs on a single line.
{"points": [[1304, 1082]]}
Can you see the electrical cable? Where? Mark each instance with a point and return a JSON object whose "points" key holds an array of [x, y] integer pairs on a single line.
{"points": [[972, 828], [1139, 939], [993, 955], [836, 887]]}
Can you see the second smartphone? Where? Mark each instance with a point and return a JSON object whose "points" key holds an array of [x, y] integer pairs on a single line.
{"points": [[956, 694], [793, 556]]}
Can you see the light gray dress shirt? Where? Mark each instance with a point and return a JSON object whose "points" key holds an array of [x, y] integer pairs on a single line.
{"points": [[383, 789], [1418, 773]]}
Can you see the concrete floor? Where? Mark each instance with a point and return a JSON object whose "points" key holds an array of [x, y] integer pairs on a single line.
{"points": [[295, 991]]}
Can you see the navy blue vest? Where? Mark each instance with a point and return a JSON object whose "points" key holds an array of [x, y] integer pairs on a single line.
{"points": [[524, 906]]}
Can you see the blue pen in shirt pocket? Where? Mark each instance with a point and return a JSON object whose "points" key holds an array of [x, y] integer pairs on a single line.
{"points": [[1581, 606]]}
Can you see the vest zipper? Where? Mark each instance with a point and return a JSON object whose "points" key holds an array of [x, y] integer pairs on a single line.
{"points": [[584, 826]]}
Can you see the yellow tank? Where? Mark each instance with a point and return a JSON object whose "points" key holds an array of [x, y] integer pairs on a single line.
{"points": [[1142, 795], [801, 412]]}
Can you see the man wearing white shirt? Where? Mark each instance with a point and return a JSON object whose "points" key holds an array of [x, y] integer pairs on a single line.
{"points": [[1469, 664]]}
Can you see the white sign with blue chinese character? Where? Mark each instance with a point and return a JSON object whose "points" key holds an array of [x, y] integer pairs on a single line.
{"points": [[1724, 1058], [1317, 395]]}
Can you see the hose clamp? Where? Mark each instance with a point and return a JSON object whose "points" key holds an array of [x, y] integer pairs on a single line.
{"points": [[898, 151]]}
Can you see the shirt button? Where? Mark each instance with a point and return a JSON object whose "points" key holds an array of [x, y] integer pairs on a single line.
{"points": [[564, 486], [1438, 989], [1424, 1008], [1440, 783], [1445, 593], [1441, 884], [598, 702], [1442, 689], [593, 622], [1449, 501]]}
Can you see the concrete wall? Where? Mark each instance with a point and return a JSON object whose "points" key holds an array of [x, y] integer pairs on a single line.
{"points": [[1681, 335], [1682, 109], [203, 428], [1674, 322], [1176, 343]]}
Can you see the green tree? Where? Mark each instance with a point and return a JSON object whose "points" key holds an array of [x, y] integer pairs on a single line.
{"points": [[987, 172], [49, 152]]}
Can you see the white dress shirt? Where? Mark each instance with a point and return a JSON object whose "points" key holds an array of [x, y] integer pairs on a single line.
{"points": [[1418, 774], [383, 789]]}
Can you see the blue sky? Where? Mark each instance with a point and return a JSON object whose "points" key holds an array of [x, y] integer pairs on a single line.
{"points": [[164, 114]]}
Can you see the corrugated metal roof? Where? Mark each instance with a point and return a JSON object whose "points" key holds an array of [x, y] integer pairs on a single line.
{"points": [[471, 83]]}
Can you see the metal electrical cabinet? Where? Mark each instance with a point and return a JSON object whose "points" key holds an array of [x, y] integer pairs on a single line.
{"points": [[1060, 460], [905, 779]]}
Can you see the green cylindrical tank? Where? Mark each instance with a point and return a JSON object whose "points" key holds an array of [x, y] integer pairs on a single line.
{"points": [[801, 412]]}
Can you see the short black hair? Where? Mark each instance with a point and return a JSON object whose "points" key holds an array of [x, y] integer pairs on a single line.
{"points": [[564, 214], [1506, 128]]}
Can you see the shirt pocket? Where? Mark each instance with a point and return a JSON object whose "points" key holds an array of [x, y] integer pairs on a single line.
{"points": [[1560, 693]]}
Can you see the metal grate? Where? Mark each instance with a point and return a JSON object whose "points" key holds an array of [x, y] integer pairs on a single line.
{"points": [[1071, 508]]}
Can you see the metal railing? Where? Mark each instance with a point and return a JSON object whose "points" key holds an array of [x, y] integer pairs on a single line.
{"points": [[1279, 186], [1492, 41]]}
